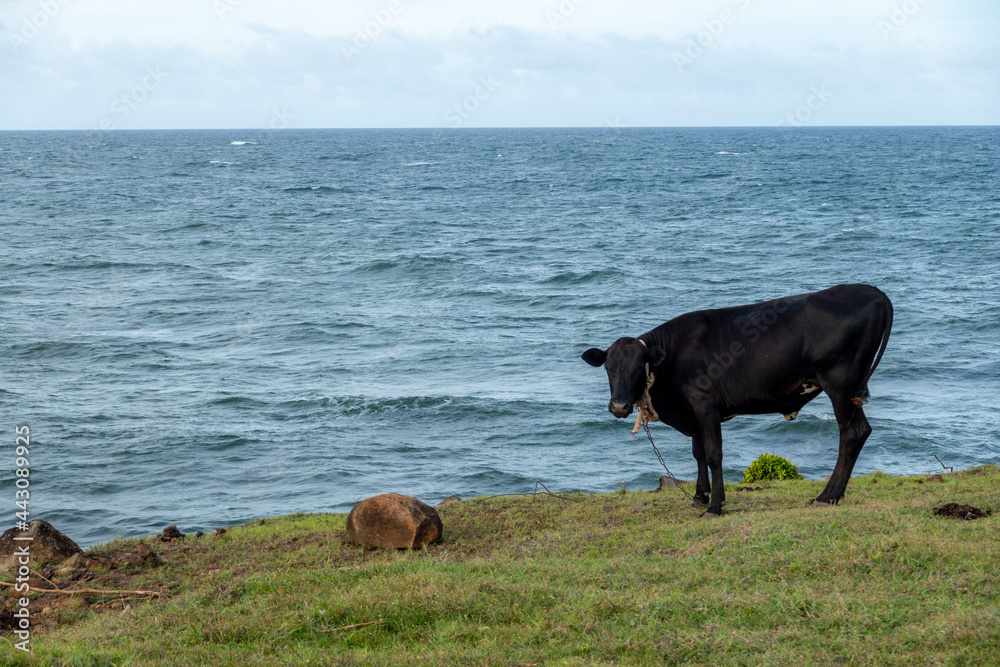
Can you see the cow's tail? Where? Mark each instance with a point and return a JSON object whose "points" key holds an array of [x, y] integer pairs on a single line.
{"points": [[862, 395]]}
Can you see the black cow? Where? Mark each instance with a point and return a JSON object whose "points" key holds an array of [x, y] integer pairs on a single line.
{"points": [[709, 366]]}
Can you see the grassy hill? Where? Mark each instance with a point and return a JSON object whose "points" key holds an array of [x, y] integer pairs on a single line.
{"points": [[625, 578]]}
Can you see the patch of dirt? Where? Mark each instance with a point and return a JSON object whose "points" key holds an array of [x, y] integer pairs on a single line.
{"points": [[956, 511]]}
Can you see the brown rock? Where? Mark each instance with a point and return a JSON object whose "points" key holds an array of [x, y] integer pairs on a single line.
{"points": [[64, 573], [147, 555], [394, 521], [129, 559], [935, 479], [667, 483], [96, 564], [75, 561], [219, 532], [48, 544]]}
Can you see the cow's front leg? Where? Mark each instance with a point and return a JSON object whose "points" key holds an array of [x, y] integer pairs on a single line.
{"points": [[702, 487], [711, 434]]}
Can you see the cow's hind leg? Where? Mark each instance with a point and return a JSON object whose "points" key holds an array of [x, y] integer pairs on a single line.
{"points": [[854, 430], [702, 488]]}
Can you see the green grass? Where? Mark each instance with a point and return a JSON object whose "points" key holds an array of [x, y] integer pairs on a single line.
{"points": [[626, 578]]}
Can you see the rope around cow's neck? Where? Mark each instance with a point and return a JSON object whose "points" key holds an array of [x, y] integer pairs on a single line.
{"points": [[645, 403]]}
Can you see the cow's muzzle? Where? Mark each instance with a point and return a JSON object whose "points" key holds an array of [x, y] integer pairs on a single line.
{"points": [[620, 409]]}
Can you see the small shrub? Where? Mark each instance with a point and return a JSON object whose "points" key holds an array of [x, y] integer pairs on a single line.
{"points": [[769, 467]]}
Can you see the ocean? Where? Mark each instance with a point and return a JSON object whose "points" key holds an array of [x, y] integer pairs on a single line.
{"points": [[205, 327]]}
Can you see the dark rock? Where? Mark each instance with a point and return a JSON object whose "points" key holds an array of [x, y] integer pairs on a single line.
{"points": [[448, 500], [219, 532], [171, 533], [48, 544], [148, 556], [956, 511], [199, 534], [7, 619], [934, 479], [394, 521], [667, 483]]}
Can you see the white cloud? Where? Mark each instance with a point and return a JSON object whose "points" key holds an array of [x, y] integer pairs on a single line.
{"points": [[747, 62]]}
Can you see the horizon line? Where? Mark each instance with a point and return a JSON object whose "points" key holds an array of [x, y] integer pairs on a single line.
{"points": [[501, 127]]}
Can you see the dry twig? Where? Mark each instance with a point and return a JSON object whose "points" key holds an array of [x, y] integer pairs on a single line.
{"points": [[356, 625], [948, 468], [42, 577], [82, 591]]}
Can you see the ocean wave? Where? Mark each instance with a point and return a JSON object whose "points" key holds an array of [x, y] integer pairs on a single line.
{"points": [[187, 226], [577, 277], [409, 262], [240, 401], [318, 189], [55, 349], [413, 407], [347, 157]]}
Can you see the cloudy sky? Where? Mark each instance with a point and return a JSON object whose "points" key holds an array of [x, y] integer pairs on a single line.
{"points": [[87, 64]]}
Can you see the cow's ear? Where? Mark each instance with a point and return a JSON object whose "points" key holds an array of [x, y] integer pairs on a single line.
{"points": [[656, 356], [594, 357]]}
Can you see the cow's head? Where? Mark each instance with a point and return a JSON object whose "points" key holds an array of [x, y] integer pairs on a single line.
{"points": [[625, 361]]}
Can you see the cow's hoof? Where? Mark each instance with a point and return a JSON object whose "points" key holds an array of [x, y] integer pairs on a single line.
{"points": [[699, 503], [820, 503], [710, 515]]}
